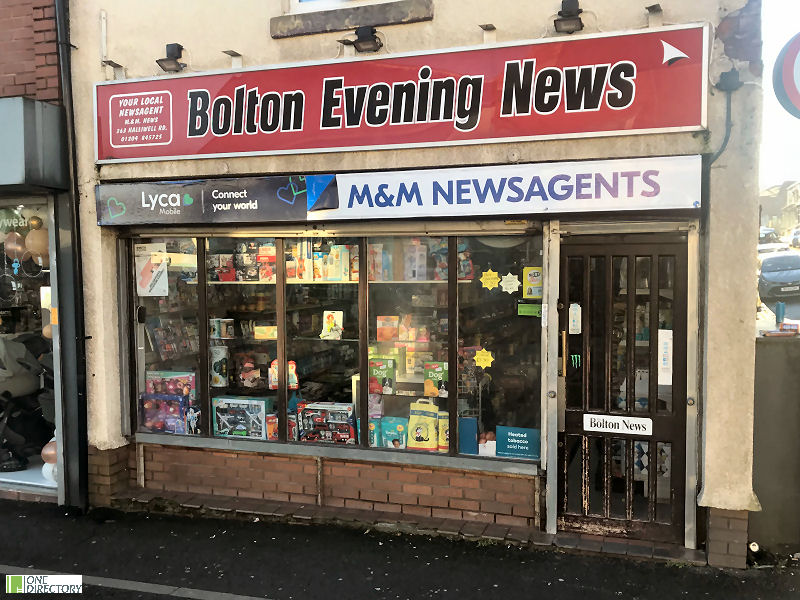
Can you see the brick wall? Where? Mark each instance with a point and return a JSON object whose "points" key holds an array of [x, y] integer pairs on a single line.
{"points": [[108, 473], [445, 493], [28, 50], [726, 543]]}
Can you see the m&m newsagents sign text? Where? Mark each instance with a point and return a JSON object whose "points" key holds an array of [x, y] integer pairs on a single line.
{"points": [[594, 85]]}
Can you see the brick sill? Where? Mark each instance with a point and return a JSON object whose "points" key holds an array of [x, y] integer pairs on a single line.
{"points": [[343, 19], [413, 459]]}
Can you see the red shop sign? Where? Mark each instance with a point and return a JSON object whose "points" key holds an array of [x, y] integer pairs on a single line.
{"points": [[596, 85]]}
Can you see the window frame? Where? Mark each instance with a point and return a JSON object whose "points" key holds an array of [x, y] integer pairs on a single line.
{"points": [[362, 450]]}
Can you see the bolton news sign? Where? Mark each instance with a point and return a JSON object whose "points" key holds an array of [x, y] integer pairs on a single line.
{"points": [[595, 85]]}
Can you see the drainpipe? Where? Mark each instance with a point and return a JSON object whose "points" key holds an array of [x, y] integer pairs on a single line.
{"points": [[70, 295]]}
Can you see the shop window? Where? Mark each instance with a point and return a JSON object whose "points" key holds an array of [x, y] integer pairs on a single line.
{"points": [[322, 339], [408, 351], [27, 396], [344, 341], [242, 337], [168, 335], [499, 345]]}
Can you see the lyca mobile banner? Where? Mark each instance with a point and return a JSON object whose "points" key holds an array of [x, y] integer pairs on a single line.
{"points": [[659, 183], [643, 82], [243, 200]]}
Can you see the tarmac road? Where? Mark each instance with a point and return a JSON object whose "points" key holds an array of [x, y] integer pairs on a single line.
{"points": [[208, 558]]}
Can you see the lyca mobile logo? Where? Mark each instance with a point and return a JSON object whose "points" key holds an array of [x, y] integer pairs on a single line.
{"points": [[167, 204]]}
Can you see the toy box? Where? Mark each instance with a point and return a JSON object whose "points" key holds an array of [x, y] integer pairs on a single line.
{"points": [[165, 413], [240, 416], [382, 376], [354, 263], [415, 262], [394, 432], [181, 383], [332, 325], [435, 383], [332, 422], [291, 375]]}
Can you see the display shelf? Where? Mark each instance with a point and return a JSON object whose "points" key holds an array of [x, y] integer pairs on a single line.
{"points": [[240, 391], [319, 339], [664, 293], [331, 282], [371, 281], [405, 378], [233, 283]]}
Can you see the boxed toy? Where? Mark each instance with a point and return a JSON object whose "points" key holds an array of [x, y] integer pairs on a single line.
{"points": [[353, 263], [272, 427], [267, 260], [239, 416], [394, 432], [335, 263], [435, 383], [164, 413], [375, 262], [273, 375], [332, 422], [332, 322], [382, 375], [181, 383], [415, 262]]}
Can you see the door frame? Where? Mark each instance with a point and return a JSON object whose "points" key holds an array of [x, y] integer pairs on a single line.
{"points": [[553, 231]]}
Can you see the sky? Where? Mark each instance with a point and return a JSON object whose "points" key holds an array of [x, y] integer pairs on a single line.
{"points": [[780, 143]]}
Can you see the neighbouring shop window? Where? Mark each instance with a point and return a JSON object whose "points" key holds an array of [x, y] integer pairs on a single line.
{"points": [[27, 397], [242, 337], [322, 344], [406, 288], [499, 345], [168, 339]]}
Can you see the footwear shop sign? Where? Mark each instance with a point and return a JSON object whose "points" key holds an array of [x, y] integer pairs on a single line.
{"points": [[593, 85]]}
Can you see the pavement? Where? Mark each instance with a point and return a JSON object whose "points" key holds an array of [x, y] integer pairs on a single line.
{"points": [[147, 556]]}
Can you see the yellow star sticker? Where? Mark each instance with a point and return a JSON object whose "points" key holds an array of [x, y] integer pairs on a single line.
{"points": [[484, 358], [490, 279]]}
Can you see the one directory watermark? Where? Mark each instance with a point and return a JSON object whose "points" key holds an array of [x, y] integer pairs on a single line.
{"points": [[44, 584]]}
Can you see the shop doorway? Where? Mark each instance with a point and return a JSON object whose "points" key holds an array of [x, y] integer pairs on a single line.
{"points": [[622, 317]]}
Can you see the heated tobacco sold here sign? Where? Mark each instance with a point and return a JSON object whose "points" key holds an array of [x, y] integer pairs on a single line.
{"points": [[595, 85]]}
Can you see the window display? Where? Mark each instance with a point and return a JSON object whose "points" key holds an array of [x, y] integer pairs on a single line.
{"points": [[165, 274], [317, 295], [242, 336], [322, 339], [499, 336], [407, 282], [27, 395]]}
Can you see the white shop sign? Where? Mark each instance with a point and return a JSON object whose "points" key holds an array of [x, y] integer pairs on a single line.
{"points": [[618, 424], [636, 184]]}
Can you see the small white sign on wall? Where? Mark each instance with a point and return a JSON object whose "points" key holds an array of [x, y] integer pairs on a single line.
{"points": [[618, 424]]}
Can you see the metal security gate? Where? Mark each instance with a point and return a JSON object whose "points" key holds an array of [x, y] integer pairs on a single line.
{"points": [[622, 315]]}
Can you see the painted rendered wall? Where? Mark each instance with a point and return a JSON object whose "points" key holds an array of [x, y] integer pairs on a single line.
{"points": [[137, 34]]}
